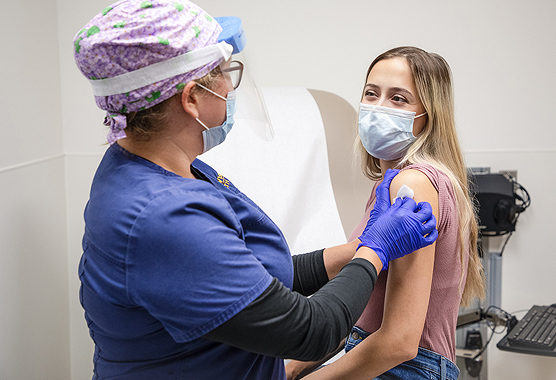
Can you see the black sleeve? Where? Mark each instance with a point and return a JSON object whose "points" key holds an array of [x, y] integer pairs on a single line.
{"points": [[309, 272], [284, 324]]}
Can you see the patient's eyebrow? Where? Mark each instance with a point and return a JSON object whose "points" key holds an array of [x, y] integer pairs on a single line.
{"points": [[400, 89], [390, 89]]}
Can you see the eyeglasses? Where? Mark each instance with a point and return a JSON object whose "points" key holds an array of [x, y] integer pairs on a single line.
{"points": [[234, 73]]}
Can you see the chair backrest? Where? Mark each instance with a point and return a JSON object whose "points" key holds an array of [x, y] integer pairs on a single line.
{"points": [[351, 187]]}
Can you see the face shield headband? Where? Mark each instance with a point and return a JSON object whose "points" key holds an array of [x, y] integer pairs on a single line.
{"points": [[251, 107], [162, 70]]}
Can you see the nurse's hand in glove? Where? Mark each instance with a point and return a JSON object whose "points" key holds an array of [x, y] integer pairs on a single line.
{"points": [[403, 228], [382, 202]]}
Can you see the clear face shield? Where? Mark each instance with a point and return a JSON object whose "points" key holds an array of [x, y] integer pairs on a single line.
{"points": [[251, 108]]}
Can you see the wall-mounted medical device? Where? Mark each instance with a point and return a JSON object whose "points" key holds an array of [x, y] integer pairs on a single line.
{"points": [[500, 200]]}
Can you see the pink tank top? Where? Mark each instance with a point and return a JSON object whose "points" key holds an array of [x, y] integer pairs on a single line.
{"points": [[440, 323]]}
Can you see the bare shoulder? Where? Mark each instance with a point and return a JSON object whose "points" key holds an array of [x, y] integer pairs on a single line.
{"points": [[418, 182]]}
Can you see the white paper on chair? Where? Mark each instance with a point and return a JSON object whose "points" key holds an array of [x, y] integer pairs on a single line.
{"points": [[288, 178]]}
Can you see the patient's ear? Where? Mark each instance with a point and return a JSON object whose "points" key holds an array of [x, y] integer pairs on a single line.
{"points": [[190, 99]]}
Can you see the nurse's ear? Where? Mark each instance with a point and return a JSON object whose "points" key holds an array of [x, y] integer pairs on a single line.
{"points": [[190, 99]]}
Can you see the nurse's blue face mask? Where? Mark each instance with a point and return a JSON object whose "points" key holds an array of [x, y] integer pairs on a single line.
{"points": [[216, 135]]}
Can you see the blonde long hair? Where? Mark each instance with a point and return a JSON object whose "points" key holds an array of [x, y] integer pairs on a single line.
{"points": [[438, 145]]}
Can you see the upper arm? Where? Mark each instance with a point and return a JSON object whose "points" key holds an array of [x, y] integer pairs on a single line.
{"points": [[409, 278]]}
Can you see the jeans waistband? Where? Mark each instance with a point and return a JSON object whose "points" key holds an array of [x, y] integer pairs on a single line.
{"points": [[426, 360], [437, 363]]}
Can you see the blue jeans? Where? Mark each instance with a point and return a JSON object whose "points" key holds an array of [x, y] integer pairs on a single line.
{"points": [[426, 365]]}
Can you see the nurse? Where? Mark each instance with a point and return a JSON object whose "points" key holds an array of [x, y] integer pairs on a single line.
{"points": [[183, 276]]}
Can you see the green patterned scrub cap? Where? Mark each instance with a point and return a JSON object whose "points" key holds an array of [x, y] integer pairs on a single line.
{"points": [[139, 53]]}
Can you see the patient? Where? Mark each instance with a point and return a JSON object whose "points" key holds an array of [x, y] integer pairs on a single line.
{"points": [[406, 121]]}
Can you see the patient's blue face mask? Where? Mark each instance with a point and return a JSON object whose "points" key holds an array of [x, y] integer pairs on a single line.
{"points": [[216, 135], [386, 133]]}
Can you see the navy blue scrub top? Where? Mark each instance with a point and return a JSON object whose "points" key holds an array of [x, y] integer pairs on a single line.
{"points": [[166, 259]]}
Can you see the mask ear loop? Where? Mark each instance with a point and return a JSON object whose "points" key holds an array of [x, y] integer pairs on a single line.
{"points": [[424, 113], [212, 92], [203, 124]]}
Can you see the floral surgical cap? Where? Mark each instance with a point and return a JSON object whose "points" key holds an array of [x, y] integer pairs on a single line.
{"points": [[133, 34]]}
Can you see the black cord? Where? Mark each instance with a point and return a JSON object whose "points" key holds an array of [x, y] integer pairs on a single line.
{"points": [[525, 202], [524, 198], [506, 242], [484, 347], [492, 328]]}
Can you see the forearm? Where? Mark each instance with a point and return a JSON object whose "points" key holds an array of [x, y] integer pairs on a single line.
{"points": [[336, 257], [309, 272], [296, 369], [366, 361], [313, 270], [284, 324]]}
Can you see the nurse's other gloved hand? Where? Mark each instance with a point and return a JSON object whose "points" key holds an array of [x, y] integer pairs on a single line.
{"points": [[405, 227], [382, 202]]}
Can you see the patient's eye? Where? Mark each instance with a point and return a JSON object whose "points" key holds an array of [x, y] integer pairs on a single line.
{"points": [[371, 94], [399, 99]]}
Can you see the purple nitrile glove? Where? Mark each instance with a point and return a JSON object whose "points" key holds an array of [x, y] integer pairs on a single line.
{"points": [[382, 202], [403, 228]]}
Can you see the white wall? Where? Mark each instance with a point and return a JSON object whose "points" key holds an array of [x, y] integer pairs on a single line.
{"points": [[34, 309], [502, 56]]}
